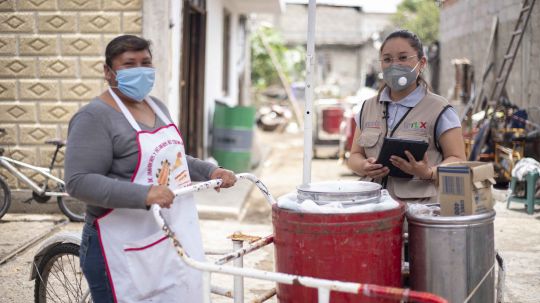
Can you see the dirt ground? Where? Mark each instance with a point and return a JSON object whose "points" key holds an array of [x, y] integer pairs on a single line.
{"points": [[517, 235]]}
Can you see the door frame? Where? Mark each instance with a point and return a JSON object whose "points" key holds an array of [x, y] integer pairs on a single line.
{"points": [[192, 109]]}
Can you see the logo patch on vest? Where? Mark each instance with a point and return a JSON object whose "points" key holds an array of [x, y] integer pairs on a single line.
{"points": [[373, 124], [416, 125]]}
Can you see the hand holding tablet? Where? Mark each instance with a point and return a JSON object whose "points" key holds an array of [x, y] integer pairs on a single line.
{"points": [[397, 147]]}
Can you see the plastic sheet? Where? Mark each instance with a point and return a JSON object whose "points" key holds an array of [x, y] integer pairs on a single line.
{"points": [[290, 201], [421, 210]]}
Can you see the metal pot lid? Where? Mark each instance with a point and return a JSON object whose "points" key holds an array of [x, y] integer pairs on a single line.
{"points": [[346, 192]]}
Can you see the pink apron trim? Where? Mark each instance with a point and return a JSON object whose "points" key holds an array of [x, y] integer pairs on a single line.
{"points": [[105, 256], [147, 246]]}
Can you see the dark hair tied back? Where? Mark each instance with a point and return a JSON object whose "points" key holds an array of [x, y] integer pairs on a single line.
{"points": [[413, 39]]}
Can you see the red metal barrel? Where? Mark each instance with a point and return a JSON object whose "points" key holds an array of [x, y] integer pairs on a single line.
{"points": [[331, 119], [357, 247]]}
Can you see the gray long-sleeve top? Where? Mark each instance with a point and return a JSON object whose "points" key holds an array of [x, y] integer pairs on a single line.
{"points": [[102, 155]]}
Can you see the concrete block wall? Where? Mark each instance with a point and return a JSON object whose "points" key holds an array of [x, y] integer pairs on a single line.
{"points": [[51, 64], [465, 29]]}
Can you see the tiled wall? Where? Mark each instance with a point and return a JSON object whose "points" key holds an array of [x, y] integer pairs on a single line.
{"points": [[51, 64]]}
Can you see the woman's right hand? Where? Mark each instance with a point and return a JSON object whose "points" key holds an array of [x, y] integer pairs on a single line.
{"points": [[372, 169], [160, 195]]}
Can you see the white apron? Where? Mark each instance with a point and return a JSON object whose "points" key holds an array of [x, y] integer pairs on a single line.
{"points": [[141, 262]]}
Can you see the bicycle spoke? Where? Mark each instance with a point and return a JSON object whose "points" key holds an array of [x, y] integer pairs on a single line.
{"points": [[64, 280], [48, 290], [66, 276]]}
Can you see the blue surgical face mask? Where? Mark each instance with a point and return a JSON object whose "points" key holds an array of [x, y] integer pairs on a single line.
{"points": [[136, 82], [399, 77]]}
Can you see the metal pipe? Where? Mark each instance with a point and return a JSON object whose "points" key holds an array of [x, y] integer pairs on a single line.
{"points": [[41, 170], [21, 176], [323, 295], [262, 188], [238, 280], [221, 291], [308, 112], [245, 250], [265, 296], [207, 289]]}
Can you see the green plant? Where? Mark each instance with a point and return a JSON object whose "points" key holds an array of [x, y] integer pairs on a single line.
{"points": [[290, 59], [420, 17]]}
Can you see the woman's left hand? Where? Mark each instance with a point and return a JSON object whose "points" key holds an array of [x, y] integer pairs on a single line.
{"points": [[227, 176], [420, 168]]}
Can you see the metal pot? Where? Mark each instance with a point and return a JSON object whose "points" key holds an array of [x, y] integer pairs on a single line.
{"points": [[346, 192]]}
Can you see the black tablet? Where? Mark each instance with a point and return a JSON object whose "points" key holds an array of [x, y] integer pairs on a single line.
{"points": [[397, 147]]}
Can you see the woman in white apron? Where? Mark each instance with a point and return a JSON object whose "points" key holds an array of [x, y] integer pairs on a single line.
{"points": [[124, 154]]}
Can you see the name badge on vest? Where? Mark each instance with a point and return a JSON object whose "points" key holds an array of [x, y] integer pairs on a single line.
{"points": [[417, 126], [373, 124]]}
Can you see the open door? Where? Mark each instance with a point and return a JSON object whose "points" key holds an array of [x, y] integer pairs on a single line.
{"points": [[192, 76]]}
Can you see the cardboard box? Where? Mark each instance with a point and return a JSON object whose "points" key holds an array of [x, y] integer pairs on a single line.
{"points": [[465, 188]]}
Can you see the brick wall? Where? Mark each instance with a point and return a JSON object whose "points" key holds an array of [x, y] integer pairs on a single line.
{"points": [[465, 30], [51, 64]]}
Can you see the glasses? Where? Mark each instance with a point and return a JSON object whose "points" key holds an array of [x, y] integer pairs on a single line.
{"points": [[402, 59]]}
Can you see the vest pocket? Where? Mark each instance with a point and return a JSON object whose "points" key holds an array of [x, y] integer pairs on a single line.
{"points": [[153, 264], [369, 139]]}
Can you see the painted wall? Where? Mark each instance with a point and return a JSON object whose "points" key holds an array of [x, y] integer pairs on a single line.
{"points": [[465, 30]]}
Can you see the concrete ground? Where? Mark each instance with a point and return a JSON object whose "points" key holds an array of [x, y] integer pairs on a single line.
{"points": [[517, 235]]}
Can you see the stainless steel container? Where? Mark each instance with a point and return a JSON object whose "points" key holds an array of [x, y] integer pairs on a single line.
{"points": [[449, 256], [346, 192]]}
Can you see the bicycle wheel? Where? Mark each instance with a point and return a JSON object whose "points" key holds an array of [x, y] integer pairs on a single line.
{"points": [[72, 208], [60, 277], [5, 198]]}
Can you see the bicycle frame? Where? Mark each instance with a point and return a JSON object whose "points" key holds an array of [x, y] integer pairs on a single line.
{"points": [[11, 165]]}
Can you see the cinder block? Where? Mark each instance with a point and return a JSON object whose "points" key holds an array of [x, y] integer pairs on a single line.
{"points": [[57, 22], [63, 131], [132, 22], [100, 22], [80, 90], [8, 89], [92, 67], [18, 112], [17, 22], [36, 133], [25, 154], [17, 67], [8, 44], [57, 67], [106, 40], [38, 90], [46, 153], [39, 45], [7, 5], [10, 136], [8, 177], [78, 5], [123, 5], [81, 45], [57, 112], [39, 5]]}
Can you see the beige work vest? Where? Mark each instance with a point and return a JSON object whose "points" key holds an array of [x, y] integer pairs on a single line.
{"points": [[418, 124]]}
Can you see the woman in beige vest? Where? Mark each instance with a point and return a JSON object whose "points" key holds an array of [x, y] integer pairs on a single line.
{"points": [[406, 108]]}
